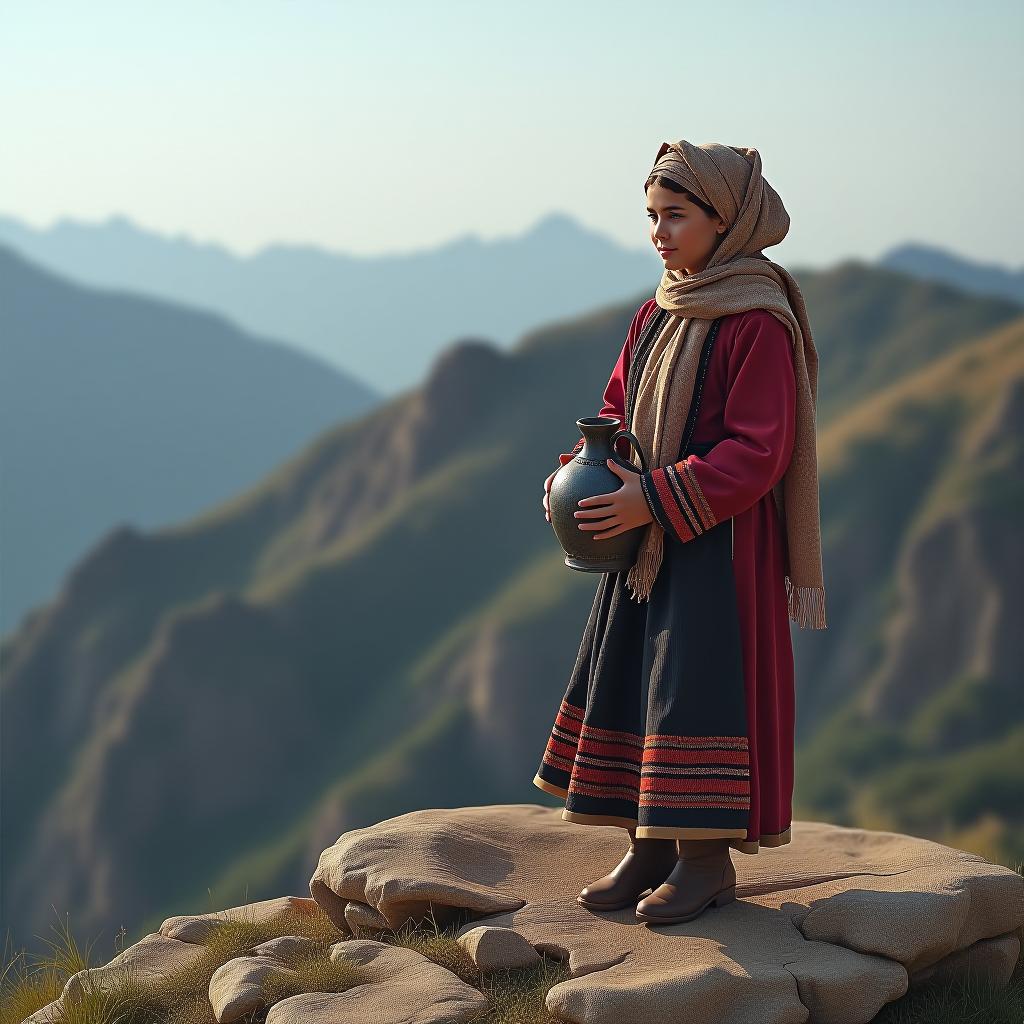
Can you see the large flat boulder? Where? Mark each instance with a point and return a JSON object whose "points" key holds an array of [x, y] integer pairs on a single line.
{"points": [[827, 928]]}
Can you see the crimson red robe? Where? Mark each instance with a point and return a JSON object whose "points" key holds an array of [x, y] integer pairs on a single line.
{"points": [[748, 409]]}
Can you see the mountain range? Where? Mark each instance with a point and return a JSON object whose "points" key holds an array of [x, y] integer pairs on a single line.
{"points": [[101, 398], [931, 263], [380, 319], [384, 622], [408, 305]]}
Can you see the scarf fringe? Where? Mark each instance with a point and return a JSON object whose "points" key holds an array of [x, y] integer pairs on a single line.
{"points": [[644, 570], [806, 605]]}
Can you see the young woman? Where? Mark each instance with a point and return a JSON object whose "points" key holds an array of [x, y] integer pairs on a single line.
{"points": [[678, 721]]}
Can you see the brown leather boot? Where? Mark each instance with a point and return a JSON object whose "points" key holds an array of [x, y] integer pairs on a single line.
{"points": [[703, 876], [646, 863]]}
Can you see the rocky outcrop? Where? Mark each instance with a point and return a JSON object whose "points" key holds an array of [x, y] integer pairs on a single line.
{"points": [[828, 928]]}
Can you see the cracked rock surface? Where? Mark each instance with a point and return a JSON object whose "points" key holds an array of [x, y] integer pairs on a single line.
{"points": [[406, 987], [827, 928], [403, 985]]}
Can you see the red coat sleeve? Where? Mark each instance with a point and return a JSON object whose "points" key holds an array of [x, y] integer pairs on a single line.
{"points": [[615, 391], [688, 497]]}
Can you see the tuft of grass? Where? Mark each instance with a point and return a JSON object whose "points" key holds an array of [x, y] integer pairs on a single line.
{"points": [[436, 942], [28, 985], [314, 971], [969, 998], [125, 995], [517, 997], [186, 990], [513, 996]]}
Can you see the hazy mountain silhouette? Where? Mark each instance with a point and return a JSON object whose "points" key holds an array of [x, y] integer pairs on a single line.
{"points": [[118, 408], [931, 263], [382, 319]]}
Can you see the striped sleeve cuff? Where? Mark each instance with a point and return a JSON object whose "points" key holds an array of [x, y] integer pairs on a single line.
{"points": [[676, 501]]}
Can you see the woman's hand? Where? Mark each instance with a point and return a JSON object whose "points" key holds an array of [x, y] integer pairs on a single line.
{"points": [[562, 460], [617, 511]]}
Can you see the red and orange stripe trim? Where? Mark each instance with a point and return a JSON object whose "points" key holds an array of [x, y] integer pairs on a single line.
{"points": [[676, 501], [653, 770]]}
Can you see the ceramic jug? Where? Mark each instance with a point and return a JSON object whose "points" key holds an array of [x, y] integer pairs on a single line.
{"points": [[584, 477]]}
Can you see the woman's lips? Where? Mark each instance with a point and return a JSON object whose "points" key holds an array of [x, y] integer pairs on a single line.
{"points": [[665, 252]]}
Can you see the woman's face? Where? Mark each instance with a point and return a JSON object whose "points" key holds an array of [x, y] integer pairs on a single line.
{"points": [[682, 228]]}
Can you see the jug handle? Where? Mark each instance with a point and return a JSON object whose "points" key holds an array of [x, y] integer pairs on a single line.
{"points": [[636, 446]]}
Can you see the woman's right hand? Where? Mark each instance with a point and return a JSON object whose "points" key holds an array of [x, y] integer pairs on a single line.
{"points": [[562, 460]]}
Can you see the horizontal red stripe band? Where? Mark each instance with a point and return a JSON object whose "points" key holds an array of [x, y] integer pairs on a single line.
{"points": [[740, 805], [702, 739], [607, 747], [661, 785]]}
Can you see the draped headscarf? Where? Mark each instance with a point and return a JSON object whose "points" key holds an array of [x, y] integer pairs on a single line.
{"points": [[738, 277]]}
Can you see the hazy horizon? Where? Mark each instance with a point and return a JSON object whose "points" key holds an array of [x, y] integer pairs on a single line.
{"points": [[391, 130]]}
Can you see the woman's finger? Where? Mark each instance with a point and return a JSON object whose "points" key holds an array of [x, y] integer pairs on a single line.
{"points": [[597, 513], [604, 524], [610, 533]]}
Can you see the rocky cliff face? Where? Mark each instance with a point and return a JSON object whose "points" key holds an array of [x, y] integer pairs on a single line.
{"points": [[958, 565]]}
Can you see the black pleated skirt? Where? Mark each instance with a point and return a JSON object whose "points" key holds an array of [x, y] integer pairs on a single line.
{"points": [[652, 731]]}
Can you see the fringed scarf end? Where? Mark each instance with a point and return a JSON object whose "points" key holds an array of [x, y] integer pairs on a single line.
{"points": [[806, 605], [641, 576]]}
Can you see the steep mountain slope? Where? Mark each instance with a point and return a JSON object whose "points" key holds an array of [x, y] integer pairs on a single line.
{"points": [[117, 408], [926, 727]]}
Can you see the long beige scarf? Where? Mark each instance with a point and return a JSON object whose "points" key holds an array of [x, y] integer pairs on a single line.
{"points": [[738, 277]]}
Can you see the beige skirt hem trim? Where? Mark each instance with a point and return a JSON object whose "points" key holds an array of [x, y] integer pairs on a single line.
{"points": [[597, 819], [667, 832], [549, 787], [768, 840]]}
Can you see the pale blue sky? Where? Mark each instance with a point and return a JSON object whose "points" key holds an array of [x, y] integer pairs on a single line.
{"points": [[390, 127]]}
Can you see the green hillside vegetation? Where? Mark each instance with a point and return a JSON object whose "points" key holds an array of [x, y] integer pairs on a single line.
{"points": [[949, 764]]}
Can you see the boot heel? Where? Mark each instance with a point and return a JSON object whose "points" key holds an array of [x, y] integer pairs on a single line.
{"points": [[725, 896]]}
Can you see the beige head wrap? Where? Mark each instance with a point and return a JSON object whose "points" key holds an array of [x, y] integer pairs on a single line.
{"points": [[738, 277]]}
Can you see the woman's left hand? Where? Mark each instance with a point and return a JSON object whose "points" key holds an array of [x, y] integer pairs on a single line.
{"points": [[616, 511]]}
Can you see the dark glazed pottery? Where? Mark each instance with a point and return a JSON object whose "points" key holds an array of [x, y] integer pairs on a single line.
{"points": [[584, 477]]}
